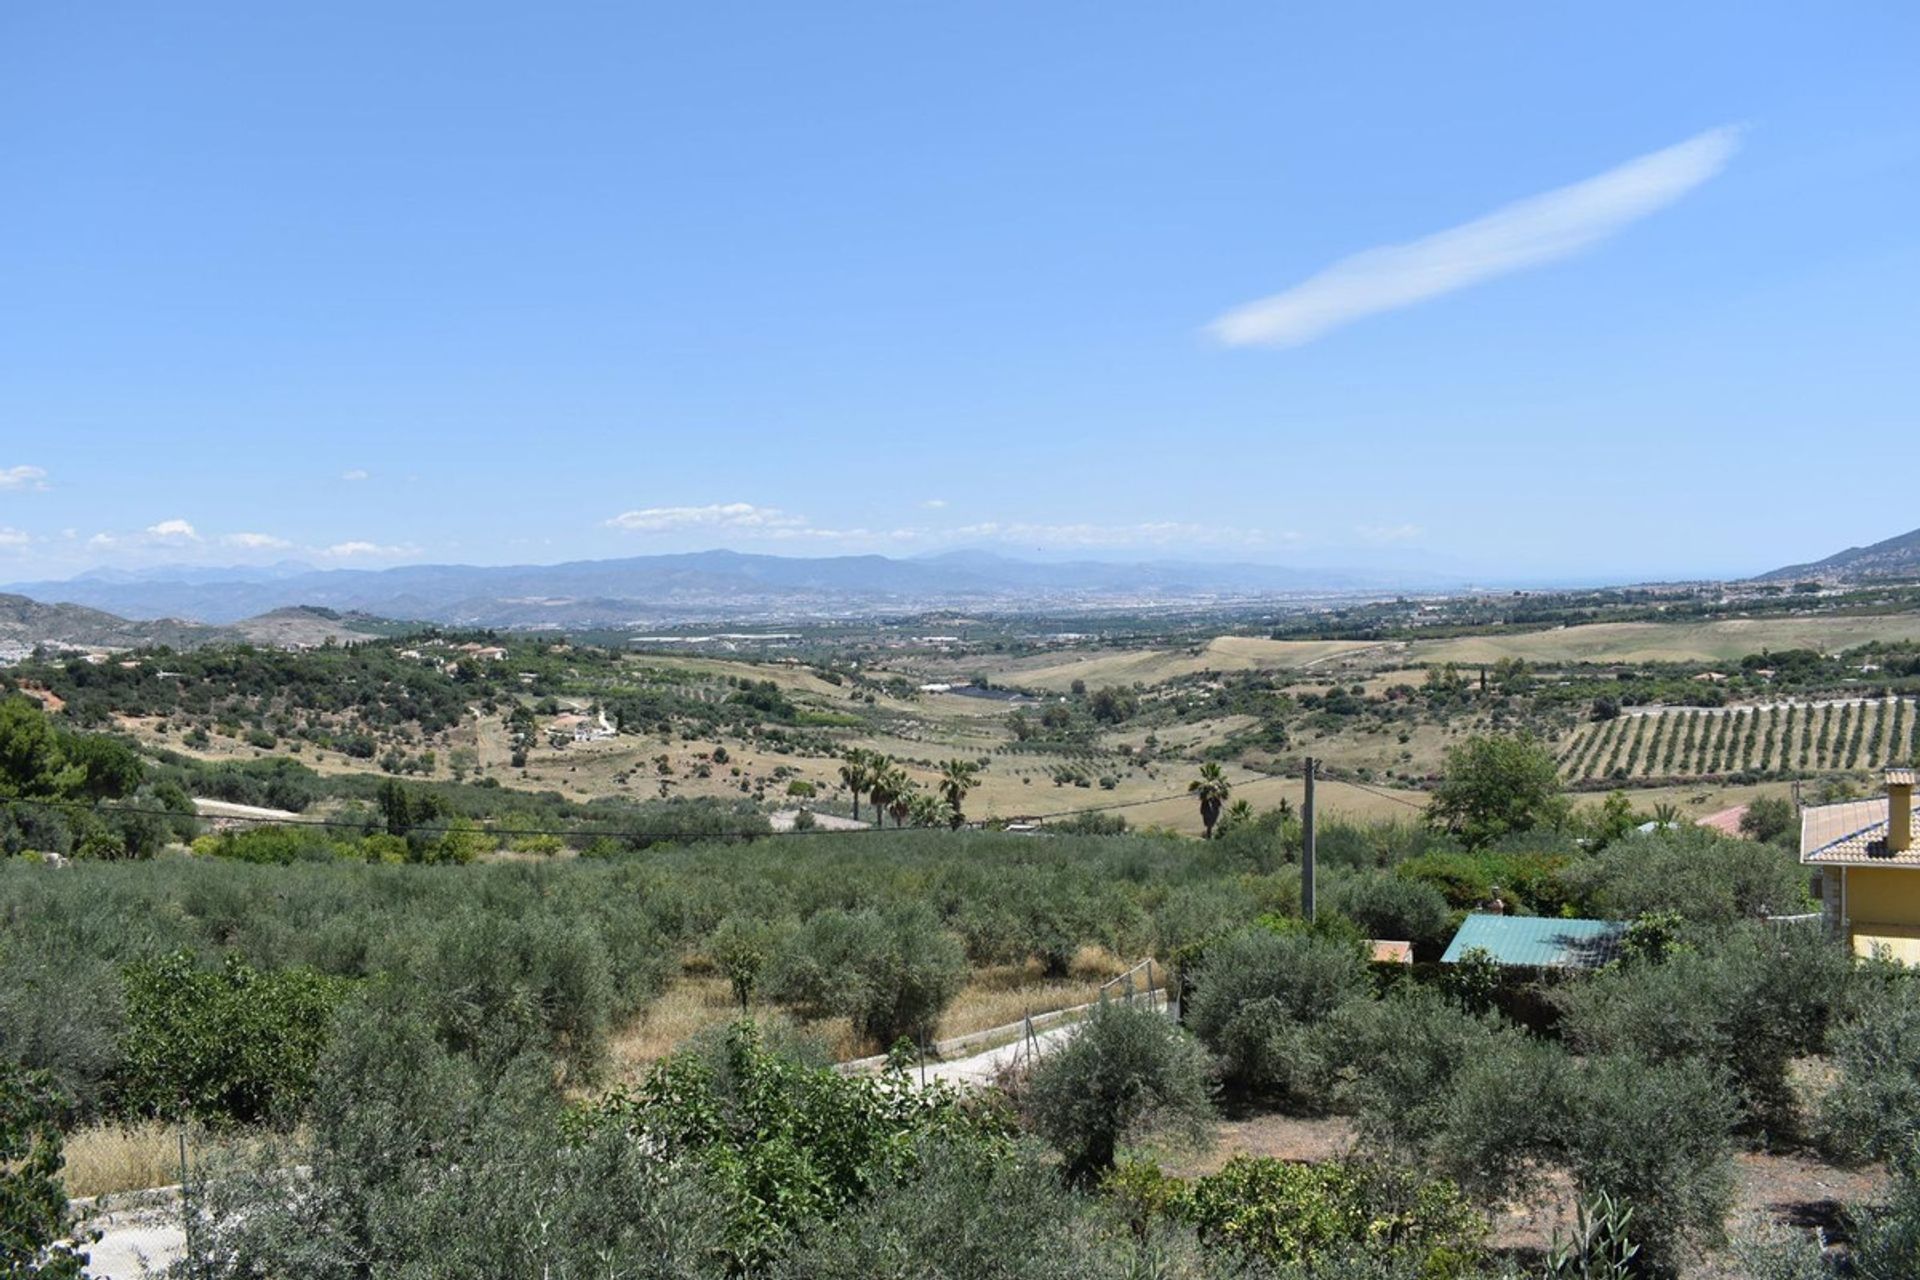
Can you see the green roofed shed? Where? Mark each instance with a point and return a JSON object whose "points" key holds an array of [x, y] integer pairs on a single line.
{"points": [[1538, 942]]}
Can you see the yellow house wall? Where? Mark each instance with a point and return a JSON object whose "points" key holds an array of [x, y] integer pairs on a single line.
{"points": [[1883, 895]]}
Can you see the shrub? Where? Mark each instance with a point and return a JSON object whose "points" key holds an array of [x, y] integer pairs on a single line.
{"points": [[1700, 875], [741, 948], [1747, 1005], [233, 1044], [499, 987], [1257, 993], [1654, 1135], [1280, 1212], [1125, 1073], [1430, 1084], [892, 972], [786, 1145], [60, 1013], [1535, 883], [1393, 907], [36, 1227], [440, 1166], [1873, 1107]]}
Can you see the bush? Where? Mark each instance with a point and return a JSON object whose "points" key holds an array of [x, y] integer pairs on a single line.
{"points": [[892, 972], [1873, 1108], [1530, 883], [1125, 1073], [1392, 907], [497, 988], [1257, 993], [442, 1167], [1431, 1084], [233, 1044], [1654, 1135], [60, 1013], [1700, 875], [786, 1146], [1281, 1212], [1746, 1005], [964, 1213], [36, 1227]]}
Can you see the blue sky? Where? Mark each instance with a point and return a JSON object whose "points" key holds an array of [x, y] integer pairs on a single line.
{"points": [[1574, 291]]}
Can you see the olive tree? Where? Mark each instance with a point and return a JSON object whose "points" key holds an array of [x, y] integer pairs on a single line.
{"points": [[1126, 1072]]}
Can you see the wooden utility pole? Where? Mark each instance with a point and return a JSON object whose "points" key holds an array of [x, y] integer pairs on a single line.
{"points": [[1306, 843]]}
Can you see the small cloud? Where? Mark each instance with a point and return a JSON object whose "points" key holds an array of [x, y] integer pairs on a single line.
{"points": [[934, 504], [13, 537], [23, 478], [256, 541], [1152, 533], [726, 515], [1527, 233], [356, 473], [1390, 533], [102, 541], [356, 548], [172, 531]]}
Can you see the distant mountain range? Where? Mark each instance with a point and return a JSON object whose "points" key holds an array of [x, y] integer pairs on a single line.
{"points": [[699, 586], [26, 624], [1897, 557]]}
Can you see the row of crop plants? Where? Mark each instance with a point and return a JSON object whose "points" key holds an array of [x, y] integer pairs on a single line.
{"points": [[1698, 742]]}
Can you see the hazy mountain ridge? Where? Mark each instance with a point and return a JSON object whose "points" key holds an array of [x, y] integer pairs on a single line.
{"points": [[26, 624], [1896, 557], [707, 585]]}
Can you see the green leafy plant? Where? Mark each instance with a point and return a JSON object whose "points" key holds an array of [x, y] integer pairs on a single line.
{"points": [[221, 1045]]}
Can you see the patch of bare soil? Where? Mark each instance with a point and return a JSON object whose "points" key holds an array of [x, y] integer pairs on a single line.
{"points": [[1303, 1138]]}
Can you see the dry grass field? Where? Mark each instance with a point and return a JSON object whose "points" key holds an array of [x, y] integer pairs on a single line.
{"points": [[1724, 640], [1156, 666]]}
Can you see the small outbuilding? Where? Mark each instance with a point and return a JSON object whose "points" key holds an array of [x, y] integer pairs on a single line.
{"points": [[1538, 942]]}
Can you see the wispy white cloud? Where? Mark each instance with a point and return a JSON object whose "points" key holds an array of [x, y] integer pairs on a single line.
{"points": [[934, 504], [172, 531], [23, 477], [752, 523], [1386, 534], [719, 515], [356, 473], [1530, 232], [256, 541], [358, 549], [14, 537], [1151, 533]]}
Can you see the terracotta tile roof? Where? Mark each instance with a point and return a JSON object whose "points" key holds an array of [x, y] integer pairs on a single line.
{"points": [[1726, 822], [1851, 833], [1897, 776]]}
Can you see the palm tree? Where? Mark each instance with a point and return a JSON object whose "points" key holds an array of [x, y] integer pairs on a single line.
{"points": [[929, 810], [1213, 789], [856, 771], [956, 779], [1239, 811], [886, 784], [901, 804]]}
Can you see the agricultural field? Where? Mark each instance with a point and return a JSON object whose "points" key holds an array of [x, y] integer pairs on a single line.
{"points": [[1721, 640], [1763, 740]]}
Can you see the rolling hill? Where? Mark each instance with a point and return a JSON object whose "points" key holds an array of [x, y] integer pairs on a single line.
{"points": [[1897, 557], [26, 624]]}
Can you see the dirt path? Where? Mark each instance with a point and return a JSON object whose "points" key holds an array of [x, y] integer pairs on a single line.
{"points": [[136, 1241]]}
